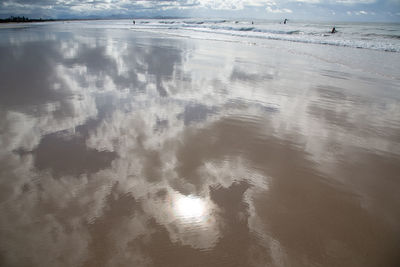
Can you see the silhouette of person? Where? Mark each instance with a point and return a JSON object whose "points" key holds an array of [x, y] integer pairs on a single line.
{"points": [[284, 22], [333, 30], [134, 22]]}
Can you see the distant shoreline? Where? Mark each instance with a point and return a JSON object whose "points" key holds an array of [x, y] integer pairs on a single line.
{"points": [[22, 19], [41, 20], [28, 20], [13, 19]]}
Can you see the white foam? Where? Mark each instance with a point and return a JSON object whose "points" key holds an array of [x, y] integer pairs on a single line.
{"points": [[366, 36]]}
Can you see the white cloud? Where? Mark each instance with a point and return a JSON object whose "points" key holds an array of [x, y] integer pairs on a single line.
{"points": [[361, 12], [354, 2], [231, 4], [125, 8], [309, 1], [276, 10]]}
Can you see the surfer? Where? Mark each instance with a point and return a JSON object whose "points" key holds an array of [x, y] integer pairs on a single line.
{"points": [[134, 22], [333, 30], [284, 22]]}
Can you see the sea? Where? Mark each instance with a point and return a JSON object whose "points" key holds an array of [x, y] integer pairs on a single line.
{"points": [[374, 36]]}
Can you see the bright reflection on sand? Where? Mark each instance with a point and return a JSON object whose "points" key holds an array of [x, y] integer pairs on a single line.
{"points": [[190, 207]]}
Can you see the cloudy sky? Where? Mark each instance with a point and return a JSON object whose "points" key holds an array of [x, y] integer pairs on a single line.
{"points": [[347, 10]]}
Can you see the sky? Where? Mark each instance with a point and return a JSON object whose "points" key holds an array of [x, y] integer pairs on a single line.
{"points": [[329, 10]]}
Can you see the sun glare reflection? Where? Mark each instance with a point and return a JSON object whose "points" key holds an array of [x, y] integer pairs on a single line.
{"points": [[189, 207]]}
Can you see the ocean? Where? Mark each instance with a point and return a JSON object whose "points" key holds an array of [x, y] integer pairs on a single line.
{"points": [[376, 36], [369, 35]]}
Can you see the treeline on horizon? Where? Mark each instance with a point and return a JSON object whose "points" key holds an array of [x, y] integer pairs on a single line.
{"points": [[22, 19], [26, 19]]}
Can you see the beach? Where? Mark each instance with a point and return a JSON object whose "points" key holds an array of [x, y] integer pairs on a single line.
{"points": [[154, 145]]}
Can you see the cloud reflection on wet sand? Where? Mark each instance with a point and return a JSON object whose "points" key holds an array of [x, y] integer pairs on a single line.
{"points": [[123, 148]]}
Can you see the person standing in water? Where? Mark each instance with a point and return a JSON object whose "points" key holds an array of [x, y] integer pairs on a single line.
{"points": [[333, 30], [284, 22]]}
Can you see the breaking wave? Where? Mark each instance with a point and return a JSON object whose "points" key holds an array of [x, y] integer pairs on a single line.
{"points": [[383, 38]]}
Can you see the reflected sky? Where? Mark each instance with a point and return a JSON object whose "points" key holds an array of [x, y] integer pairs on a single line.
{"points": [[125, 148], [190, 208]]}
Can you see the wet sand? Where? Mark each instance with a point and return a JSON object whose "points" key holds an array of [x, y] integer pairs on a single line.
{"points": [[122, 148]]}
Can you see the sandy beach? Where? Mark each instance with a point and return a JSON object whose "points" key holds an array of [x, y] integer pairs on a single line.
{"points": [[120, 146]]}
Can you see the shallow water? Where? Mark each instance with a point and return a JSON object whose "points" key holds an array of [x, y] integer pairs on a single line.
{"points": [[128, 148]]}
